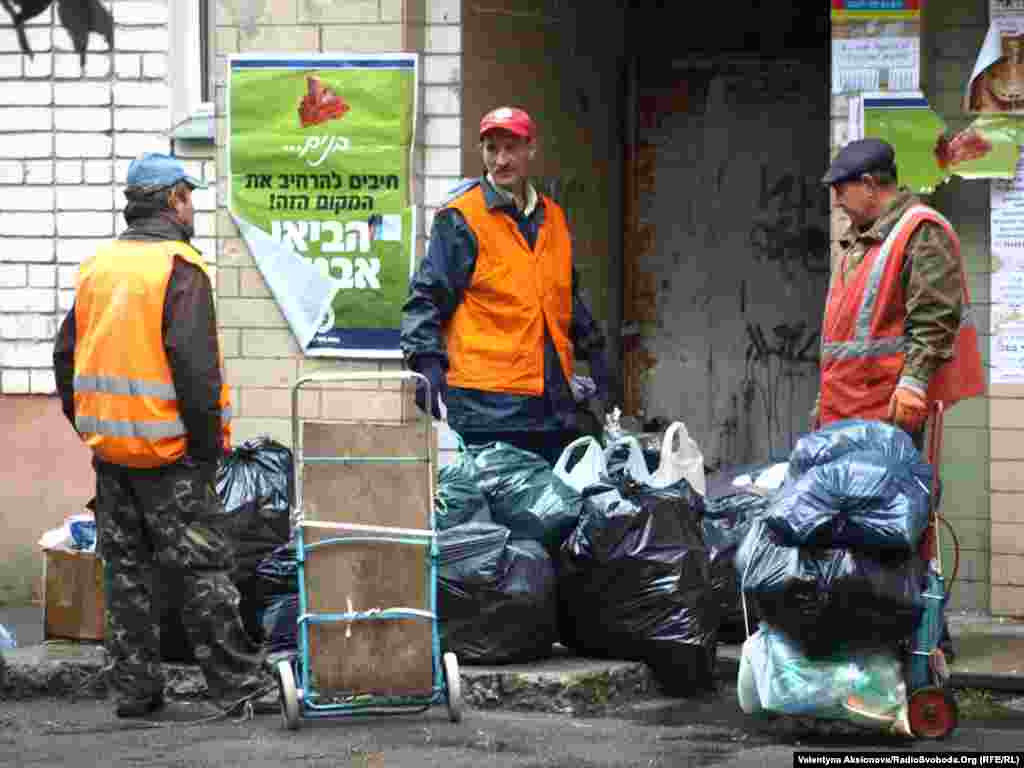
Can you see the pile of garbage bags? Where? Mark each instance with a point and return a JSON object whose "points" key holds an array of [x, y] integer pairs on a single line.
{"points": [[609, 559], [503, 515], [840, 539]]}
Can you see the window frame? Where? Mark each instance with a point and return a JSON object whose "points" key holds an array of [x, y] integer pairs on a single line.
{"points": [[191, 24]]}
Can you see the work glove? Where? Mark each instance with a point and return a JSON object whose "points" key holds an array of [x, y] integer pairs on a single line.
{"points": [[908, 409], [816, 415], [432, 367]]}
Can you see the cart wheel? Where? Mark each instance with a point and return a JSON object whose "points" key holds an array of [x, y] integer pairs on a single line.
{"points": [[933, 713], [288, 695], [454, 685]]}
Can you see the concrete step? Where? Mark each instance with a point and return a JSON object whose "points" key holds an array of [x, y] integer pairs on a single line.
{"points": [[563, 684]]}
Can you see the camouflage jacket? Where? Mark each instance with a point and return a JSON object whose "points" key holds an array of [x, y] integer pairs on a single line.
{"points": [[932, 283]]}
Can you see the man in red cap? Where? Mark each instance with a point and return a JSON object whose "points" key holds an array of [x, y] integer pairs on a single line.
{"points": [[493, 318]]}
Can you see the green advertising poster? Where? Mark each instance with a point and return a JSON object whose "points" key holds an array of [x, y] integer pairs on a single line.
{"points": [[927, 152], [319, 161]]}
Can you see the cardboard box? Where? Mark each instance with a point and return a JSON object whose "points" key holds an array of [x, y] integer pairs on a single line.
{"points": [[73, 603]]}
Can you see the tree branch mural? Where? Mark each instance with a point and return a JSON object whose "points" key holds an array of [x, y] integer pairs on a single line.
{"points": [[78, 17]]}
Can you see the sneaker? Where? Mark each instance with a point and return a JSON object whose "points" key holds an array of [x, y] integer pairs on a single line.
{"points": [[140, 707]]}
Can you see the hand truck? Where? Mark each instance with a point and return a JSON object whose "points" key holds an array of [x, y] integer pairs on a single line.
{"points": [[367, 553]]}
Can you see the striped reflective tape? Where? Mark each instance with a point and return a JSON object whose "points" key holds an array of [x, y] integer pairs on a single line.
{"points": [[850, 350], [862, 345], [146, 430]]}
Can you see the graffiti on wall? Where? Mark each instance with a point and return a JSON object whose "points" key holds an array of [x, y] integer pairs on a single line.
{"points": [[791, 228], [773, 371]]}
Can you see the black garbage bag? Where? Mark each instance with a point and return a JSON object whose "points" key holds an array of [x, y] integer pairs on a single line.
{"points": [[496, 598], [635, 584], [254, 483], [726, 522], [281, 623], [278, 573], [459, 499], [842, 437], [864, 500], [829, 600], [525, 496]]}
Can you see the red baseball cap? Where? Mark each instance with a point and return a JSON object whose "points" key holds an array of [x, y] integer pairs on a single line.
{"points": [[511, 119]]}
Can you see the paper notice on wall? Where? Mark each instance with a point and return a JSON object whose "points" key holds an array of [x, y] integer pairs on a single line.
{"points": [[996, 83], [1007, 323], [876, 45]]}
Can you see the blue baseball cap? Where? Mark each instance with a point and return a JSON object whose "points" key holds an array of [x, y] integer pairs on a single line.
{"points": [[155, 170]]}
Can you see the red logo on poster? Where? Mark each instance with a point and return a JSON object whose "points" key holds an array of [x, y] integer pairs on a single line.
{"points": [[320, 104]]}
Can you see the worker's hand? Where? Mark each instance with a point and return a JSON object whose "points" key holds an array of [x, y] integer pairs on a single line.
{"points": [[908, 410], [432, 367]]}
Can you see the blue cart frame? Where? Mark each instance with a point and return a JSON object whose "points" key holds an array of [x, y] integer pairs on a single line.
{"points": [[298, 698]]}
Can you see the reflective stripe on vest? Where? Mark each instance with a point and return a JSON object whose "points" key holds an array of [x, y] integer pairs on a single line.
{"points": [[862, 345], [146, 430], [115, 385]]}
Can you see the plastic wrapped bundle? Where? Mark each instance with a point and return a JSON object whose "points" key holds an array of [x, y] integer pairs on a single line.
{"points": [[865, 688], [635, 584], [863, 500], [829, 599], [497, 598]]}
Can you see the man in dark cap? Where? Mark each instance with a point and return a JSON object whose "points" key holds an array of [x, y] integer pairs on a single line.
{"points": [[896, 336]]}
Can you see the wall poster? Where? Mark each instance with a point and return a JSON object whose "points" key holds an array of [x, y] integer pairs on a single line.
{"points": [[319, 167]]}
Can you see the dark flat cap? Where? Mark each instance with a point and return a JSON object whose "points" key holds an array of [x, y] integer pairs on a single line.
{"points": [[860, 157]]}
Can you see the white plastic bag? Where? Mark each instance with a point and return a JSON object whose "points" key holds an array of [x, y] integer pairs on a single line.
{"points": [[681, 459], [587, 469]]}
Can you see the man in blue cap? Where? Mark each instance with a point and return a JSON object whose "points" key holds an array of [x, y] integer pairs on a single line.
{"points": [[138, 368]]}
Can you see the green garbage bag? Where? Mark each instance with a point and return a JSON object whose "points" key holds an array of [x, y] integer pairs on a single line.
{"points": [[525, 495], [459, 499]]}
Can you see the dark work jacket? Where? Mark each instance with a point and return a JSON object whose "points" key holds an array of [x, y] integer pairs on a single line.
{"points": [[437, 289], [190, 340]]}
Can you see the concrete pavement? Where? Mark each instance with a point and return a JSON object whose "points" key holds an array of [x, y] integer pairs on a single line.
{"points": [[991, 656]]}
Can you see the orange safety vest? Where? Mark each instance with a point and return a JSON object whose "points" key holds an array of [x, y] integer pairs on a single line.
{"points": [[126, 408], [864, 338], [495, 337]]}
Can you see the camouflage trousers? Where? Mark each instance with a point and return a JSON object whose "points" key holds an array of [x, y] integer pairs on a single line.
{"points": [[169, 516]]}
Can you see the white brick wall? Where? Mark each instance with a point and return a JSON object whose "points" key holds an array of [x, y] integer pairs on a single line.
{"points": [[67, 136]]}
